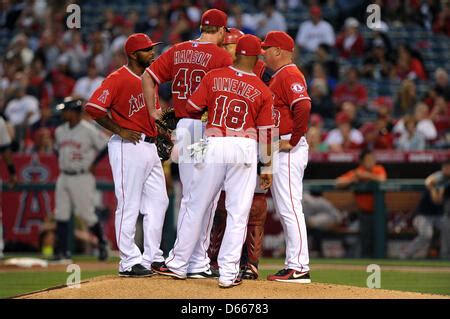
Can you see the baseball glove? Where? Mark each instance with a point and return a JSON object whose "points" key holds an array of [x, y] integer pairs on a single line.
{"points": [[167, 122], [164, 146]]}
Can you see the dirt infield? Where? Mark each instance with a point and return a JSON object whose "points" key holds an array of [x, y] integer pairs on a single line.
{"points": [[158, 287]]}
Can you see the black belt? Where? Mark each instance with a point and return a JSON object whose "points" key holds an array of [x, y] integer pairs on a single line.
{"points": [[150, 139], [72, 173]]}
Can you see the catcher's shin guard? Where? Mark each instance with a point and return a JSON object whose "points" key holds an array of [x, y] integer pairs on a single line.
{"points": [[217, 231], [255, 233]]}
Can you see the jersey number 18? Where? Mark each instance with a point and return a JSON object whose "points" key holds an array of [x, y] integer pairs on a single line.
{"points": [[233, 113]]}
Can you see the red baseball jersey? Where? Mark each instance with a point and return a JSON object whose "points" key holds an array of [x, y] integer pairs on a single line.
{"points": [[288, 86], [185, 64], [121, 94], [238, 102]]}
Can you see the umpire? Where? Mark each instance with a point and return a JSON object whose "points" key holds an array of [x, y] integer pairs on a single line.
{"points": [[80, 146]]}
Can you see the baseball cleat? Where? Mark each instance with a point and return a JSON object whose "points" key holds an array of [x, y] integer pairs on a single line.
{"points": [[210, 273], [249, 271], [167, 272], [232, 284], [158, 266], [137, 271], [291, 275]]}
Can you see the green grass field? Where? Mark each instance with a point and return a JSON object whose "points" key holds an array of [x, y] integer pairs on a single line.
{"points": [[20, 282]]}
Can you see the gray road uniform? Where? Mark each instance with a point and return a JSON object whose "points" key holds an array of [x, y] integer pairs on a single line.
{"points": [[78, 147], [75, 188]]}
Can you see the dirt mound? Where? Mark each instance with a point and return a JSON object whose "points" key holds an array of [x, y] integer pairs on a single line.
{"points": [[112, 287]]}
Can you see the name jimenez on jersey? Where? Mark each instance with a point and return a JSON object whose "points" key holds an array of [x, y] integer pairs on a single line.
{"points": [[240, 88]]}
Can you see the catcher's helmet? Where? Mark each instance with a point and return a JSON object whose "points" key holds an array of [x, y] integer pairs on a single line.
{"points": [[70, 104], [233, 36]]}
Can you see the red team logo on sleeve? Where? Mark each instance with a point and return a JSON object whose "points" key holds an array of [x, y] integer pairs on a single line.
{"points": [[102, 98], [297, 88]]}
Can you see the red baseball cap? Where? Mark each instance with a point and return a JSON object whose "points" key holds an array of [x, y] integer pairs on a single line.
{"points": [[248, 45], [215, 18], [280, 40], [315, 11], [138, 41], [233, 36]]}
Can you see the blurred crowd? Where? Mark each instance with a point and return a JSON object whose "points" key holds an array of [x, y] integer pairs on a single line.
{"points": [[43, 62]]}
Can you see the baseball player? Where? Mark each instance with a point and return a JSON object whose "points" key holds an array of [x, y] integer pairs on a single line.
{"points": [[5, 152], [186, 64], [80, 146], [292, 107], [255, 229], [239, 104], [137, 171]]}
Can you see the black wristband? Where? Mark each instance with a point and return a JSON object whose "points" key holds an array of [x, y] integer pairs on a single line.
{"points": [[11, 169]]}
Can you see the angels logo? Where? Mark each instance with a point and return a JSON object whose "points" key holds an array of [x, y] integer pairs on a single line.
{"points": [[102, 98], [136, 104], [297, 88], [34, 205]]}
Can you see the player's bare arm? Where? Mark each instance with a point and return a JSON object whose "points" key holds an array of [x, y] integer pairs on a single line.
{"points": [[149, 88], [98, 158], [265, 155], [124, 133]]}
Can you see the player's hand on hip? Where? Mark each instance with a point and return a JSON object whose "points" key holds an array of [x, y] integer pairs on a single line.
{"points": [[285, 146], [265, 181], [130, 135]]}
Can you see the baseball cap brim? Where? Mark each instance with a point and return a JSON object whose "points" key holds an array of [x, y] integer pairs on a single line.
{"points": [[150, 46]]}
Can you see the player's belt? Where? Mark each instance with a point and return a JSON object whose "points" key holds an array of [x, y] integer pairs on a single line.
{"points": [[150, 139], [72, 173]]}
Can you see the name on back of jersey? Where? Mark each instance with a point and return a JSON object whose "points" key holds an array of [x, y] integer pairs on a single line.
{"points": [[192, 57], [240, 88]]}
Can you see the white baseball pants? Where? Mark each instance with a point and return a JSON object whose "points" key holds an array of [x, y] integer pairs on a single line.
{"points": [[190, 131], [140, 185], [287, 189], [229, 164]]}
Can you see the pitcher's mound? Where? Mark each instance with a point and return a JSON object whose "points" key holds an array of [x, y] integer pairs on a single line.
{"points": [[159, 287]]}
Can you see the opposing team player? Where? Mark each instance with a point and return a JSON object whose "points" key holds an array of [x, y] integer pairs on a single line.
{"points": [[186, 64], [255, 230], [292, 107], [137, 171], [80, 146], [238, 104]]}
